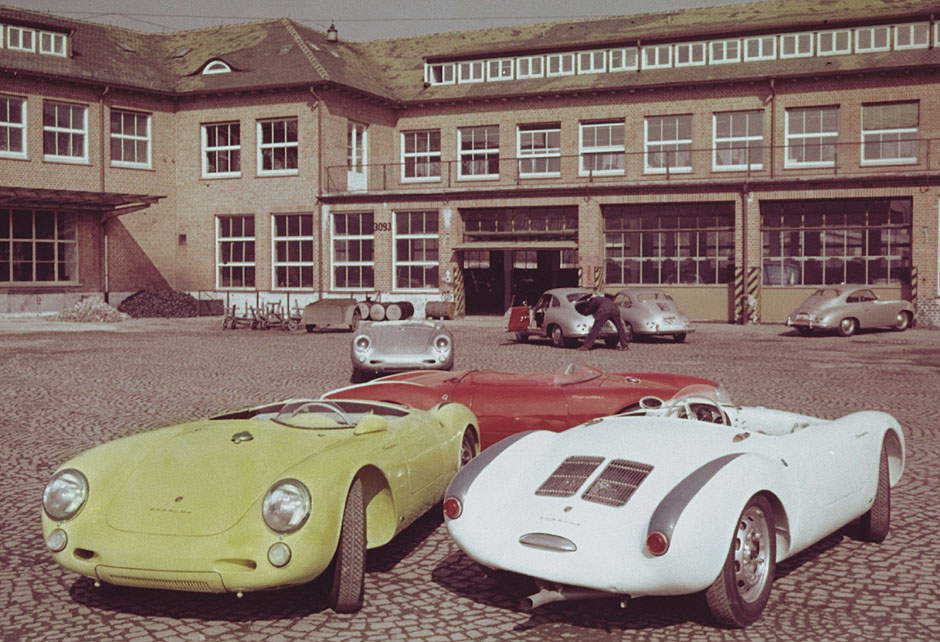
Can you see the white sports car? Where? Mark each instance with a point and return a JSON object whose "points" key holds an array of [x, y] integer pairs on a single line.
{"points": [[692, 494]]}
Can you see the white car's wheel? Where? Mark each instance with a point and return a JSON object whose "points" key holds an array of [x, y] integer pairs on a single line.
{"points": [[847, 327], [558, 337], [903, 321], [739, 594], [349, 564], [876, 522]]}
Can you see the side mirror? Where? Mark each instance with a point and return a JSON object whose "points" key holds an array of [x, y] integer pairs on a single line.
{"points": [[371, 423]]}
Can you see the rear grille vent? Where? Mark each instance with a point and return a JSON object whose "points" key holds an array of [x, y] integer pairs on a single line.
{"points": [[616, 484], [568, 477]]}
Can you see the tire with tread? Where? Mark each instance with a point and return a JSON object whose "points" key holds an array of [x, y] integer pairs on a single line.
{"points": [[349, 563], [558, 336], [877, 521]]}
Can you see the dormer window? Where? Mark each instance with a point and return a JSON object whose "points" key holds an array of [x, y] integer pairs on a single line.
{"points": [[216, 67]]}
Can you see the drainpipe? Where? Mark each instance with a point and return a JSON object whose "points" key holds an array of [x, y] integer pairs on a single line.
{"points": [[319, 210], [773, 124], [101, 187]]}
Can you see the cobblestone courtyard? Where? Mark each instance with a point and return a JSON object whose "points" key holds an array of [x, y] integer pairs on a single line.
{"points": [[68, 387]]}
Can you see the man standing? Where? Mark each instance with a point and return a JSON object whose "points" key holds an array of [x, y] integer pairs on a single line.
{"points": [[604, 310]]}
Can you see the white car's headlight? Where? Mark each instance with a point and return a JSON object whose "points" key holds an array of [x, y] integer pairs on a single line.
{"points": [[442, 343], [286, 506], [65, 494], [363, 343]]}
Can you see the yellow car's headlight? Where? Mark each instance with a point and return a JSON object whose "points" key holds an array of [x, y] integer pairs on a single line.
{"points": [[286, 506], [65, 494]]}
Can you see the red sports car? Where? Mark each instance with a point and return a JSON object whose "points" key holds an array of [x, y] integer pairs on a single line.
{"points": [[509, 402]]}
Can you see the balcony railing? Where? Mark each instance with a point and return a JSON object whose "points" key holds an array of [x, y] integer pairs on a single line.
{"points": [[699, 166]]}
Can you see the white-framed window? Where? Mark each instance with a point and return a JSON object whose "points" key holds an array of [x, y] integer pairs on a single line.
{"points": [[471, 71], [668, 144], [416, 250], [52, 44], [603, 152], [292, 251], [130, 138], [530, 67], [796, 45], [890, 133], [12, 127], [21, 38], [912, 36], [760, 48], [38, 246], [812, 136], [724, 51], [657, 56], [539, 150], [216, 67], [936, 41], [560, 64], [499, 69], [834, 43], [64, 132], [421, 155], [353, 251], [221, 150], [479, 152], [690, 54], [592, 62], [738, 140], [235, 251], [440, 73], [624, 59], [278, 147], [877, 38]]}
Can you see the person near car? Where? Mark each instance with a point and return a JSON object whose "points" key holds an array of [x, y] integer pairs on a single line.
{"points": [[604, 310]]}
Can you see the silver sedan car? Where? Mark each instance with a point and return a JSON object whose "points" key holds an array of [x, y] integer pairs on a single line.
{"points": [[386, 347], [846, 308], [555, 317], [652, 312]]}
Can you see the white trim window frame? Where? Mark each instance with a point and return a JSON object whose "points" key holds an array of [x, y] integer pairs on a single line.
{"points": [[499, 69], [416, 250], [559, 64], [602, 149], [539, 151], [837, 42], [915, 35], [352, 251], [470, 71], [221, 150], [440, 73], [21, 39], [936, 42], [52, 43], [235, 251], [292, 257], [530, 67], [278, 146], [721, 52], [592, 62], [64, 132], [38, 247], [738, 140], [624, 59], [130, 139], [12, 127], [760, 48], [890, 133], [421, 156], [478, 149], [667, 144], [657, 57], [812, 137], [796, 45], [872, 39], [690, 54]]}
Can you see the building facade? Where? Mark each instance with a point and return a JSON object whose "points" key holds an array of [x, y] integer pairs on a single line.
{"points": [[738, 157]]}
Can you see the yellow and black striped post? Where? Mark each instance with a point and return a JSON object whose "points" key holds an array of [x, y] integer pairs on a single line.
{"points": [[459, 292], [739, 303], [753, 290], [914, 286], [598, 279]]}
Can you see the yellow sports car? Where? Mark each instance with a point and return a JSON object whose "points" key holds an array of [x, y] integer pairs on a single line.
{"points": [[259, 499]]}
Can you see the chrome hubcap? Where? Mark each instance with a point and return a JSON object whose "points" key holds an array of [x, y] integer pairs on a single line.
{"points": [[751, 550], [848, 325]]}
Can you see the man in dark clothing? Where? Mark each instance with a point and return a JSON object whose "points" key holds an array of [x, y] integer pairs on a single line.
{"points": [[604, 310]]}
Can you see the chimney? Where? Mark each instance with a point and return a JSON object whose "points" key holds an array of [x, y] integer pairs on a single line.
{"points": [[331, 33]]}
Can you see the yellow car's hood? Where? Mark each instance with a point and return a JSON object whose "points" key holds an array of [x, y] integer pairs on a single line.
{"points": [[203, 480]]}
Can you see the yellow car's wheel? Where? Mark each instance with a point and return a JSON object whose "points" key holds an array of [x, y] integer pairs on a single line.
{"points": [[349, 564]]}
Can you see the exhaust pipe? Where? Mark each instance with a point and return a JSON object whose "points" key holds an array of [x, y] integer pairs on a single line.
{"points": [[548, 595]]}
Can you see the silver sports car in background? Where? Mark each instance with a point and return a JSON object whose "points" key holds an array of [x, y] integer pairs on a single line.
{"points": [[385, 347], [846, 308], [555, 317], [652, 312]]}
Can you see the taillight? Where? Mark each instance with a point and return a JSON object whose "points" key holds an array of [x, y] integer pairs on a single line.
{"points": [[657, 543], [452, 508]]}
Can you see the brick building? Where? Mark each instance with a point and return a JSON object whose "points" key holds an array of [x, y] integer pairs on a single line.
{"points": [[735, 154]]}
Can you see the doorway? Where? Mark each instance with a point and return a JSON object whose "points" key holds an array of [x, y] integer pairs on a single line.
{"points": [[495, 280]]}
